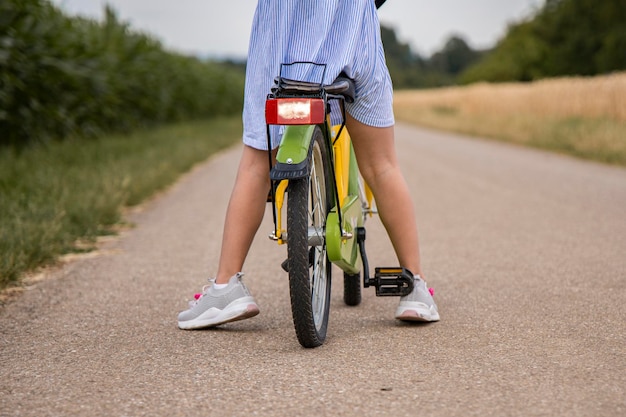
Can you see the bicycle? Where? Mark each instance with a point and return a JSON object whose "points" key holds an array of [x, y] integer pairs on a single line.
{"points": [[317, 176]]}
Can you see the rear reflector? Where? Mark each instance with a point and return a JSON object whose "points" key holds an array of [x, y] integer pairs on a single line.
{"points": [[294, 111]]}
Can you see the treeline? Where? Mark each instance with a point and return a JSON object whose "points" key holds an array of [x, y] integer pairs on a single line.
{"points": [[66, 76], [563, 37], [410, 70]]}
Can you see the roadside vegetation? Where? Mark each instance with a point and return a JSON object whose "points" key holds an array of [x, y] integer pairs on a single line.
{"points": [[60, 198], [579, 116], [556, 80], [560, 38], [66, 77], [95, 117]]}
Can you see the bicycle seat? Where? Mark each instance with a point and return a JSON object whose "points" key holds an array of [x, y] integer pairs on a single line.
{"points": [[342, 86]]}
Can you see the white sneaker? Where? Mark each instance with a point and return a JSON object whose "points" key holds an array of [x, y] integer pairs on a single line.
{"points": [[419, 305], [218, 306]]}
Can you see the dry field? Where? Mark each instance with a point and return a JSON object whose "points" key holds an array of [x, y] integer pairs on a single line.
{"points": [[584, 117]]}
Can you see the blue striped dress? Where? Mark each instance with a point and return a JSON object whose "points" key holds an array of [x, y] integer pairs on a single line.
{"points": [[343, 34]]}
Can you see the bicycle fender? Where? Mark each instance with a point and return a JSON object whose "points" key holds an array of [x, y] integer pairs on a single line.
{"points": [[292, 160]]}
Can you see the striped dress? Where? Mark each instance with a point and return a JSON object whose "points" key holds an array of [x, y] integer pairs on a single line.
{"points": [[343, 34]]}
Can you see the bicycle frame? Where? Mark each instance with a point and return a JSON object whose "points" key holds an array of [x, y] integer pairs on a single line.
{"points": [[327, 203], [351, 200], [341, 223]]}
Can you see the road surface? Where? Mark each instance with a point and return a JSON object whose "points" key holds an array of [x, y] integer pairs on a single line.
{"points": [[526, 251]]}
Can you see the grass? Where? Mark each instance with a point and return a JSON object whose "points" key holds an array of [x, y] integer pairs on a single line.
{"points": [[582, 117], [55, 195]]}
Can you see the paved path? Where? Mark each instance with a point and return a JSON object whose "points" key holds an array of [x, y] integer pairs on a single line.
{"points": [[526, 251]]}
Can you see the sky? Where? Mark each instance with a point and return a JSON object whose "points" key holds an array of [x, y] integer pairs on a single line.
{"points": [[222, 28]]}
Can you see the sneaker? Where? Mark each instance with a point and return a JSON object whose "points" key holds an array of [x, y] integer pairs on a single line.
{"points": [[419, 305], [218, 306]]}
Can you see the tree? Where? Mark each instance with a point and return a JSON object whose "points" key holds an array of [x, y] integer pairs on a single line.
{"points": [[565, 37], [586, 37], [410, 70], [455, 56]]}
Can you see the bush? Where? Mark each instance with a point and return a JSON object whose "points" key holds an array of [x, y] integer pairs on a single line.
{"points": [[71, 76]]}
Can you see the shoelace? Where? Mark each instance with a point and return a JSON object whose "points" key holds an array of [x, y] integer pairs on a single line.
{"points": [[198, 296], [430, 290]]}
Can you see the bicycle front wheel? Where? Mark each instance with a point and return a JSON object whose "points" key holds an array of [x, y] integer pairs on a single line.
{"points": [[308, 203]]}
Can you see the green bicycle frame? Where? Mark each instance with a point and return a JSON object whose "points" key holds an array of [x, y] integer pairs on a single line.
{"points": [[341, 241]]}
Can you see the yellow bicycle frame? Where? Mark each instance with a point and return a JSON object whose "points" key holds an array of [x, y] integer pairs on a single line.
{"points": [[343, 170]]}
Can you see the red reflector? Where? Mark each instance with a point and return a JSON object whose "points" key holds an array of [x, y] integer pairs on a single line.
{"points": [[294, 111]]}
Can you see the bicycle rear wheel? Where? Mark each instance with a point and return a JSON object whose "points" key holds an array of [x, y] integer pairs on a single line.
{"points": [[308, 203]]}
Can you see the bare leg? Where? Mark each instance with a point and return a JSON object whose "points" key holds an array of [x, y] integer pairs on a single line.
{"points": [[376, 155], [245, 212]]}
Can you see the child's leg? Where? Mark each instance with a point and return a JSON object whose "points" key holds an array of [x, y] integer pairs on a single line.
{"points": [[376, 156], [245, 212]]}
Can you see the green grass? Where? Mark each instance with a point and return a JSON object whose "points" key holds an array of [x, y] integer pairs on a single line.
{"points": [[55, 195]]}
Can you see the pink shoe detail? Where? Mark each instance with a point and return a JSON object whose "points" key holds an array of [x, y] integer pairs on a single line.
{"points": [[432, 292]]}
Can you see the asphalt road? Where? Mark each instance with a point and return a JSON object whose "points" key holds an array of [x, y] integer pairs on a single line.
{"points": [[526, 251]]}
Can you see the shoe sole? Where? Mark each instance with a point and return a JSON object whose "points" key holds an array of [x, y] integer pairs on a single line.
{"points": [[240, 309], [416, 314]]}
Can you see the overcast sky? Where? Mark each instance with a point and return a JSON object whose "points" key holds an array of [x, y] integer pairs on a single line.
{"points": [[222, 28]]}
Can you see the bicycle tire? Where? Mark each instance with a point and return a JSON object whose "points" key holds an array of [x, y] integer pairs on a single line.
{"points": [[351, 289], [308, 203]]}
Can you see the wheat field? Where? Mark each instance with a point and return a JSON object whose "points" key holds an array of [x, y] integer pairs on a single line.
{"points": [[580, 116]]}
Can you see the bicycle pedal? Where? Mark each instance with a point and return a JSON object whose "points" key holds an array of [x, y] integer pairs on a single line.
{"points": [[391, 282]]}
